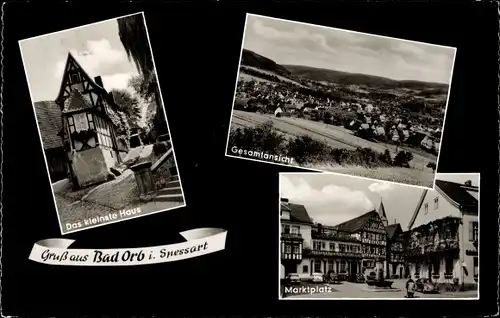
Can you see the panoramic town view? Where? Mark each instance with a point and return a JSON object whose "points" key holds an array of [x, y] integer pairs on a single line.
{"points": [[340, 101], [350, 237]]}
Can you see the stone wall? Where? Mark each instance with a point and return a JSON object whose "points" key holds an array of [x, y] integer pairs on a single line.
{"points": [[89, 166]]}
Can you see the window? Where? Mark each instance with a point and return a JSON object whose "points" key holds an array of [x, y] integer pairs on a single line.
{"points": [[296, 249], [295, 229], [305, 269], [426, 208], [330, 266], [75, 78], [449, 265], [476, 266], [286, 229], [342, 247], [332, 246], [342, 266], [288, 249], [473, 231], [91, 121], [316, 245], [80, 122], [436, 201], [317, 266]]}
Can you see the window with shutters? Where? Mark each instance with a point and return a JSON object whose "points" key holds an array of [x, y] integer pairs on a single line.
{"points": [[473, 231], [332, 246]]}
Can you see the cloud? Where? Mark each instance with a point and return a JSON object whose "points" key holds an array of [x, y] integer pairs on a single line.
{"points": [[96, 55], [329, 205], [306, 39], [381, 187], [117, 81]]}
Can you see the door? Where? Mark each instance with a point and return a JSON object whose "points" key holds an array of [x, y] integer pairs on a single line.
{"points": [[354, 269]]}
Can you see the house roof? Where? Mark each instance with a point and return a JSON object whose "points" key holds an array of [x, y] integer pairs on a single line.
{"points": [[76, 101], [381, 210], [393, 229], [455, 193], [458, 193], [357, 223], [48, 115], [298, 212]]}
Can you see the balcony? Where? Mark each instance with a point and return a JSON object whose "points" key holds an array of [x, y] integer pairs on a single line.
{"points": [[373, 242], [315, 234], [291, 236], [373, 256], [326, 253], [291, 256]]}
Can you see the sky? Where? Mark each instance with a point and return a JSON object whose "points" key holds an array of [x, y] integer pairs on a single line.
{"points": [[292, 43], [331, 199], [96, 47]]}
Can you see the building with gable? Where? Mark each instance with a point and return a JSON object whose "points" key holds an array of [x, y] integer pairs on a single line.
{"points": [[443, 239], [370, 229], [88, 130]]}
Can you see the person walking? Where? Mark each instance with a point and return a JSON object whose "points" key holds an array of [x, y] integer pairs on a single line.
{"points": [[410, 288]]}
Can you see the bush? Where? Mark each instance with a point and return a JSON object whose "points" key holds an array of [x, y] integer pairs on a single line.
{"points": [[403, 159], [432, 165], [304, 149]]}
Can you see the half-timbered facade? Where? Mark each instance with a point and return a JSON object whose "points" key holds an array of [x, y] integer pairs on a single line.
{"points": [[369, 228], [295, 235], [395, 252], [442, 241], [89, 126]]}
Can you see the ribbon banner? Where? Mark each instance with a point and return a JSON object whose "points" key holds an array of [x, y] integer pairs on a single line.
{"points": [[199, 242]]}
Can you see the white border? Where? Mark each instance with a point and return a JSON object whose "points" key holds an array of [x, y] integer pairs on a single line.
{"points": [[281, 174], [41, 140], [348, 31]]}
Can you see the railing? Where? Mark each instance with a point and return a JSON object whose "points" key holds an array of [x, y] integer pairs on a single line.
{"points": [[292, 236], [333, 237], [326, 253], [373, 242], [373, 256], [291, 256]]}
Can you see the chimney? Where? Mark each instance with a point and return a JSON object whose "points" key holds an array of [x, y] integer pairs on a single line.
{"points": [[98, 81], [468, 183], [284, 200]]}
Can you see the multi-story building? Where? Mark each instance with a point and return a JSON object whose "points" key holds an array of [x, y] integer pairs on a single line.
{"points": [[369, 228], [394, 252], [295, 235], [442, 241], [332, 251]]}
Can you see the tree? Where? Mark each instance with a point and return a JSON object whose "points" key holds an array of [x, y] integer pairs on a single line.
{"points": [[128, 104], [432, 165], [133, 35], [403, 159]]}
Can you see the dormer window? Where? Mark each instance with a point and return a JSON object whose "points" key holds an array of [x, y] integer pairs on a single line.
{"points": [[75, 78]]}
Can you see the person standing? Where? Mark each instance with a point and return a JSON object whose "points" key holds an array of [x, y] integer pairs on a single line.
{"points": [[410, 288]]}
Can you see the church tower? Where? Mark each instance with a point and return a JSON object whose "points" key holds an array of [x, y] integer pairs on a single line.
{"points": [[381, 212]]}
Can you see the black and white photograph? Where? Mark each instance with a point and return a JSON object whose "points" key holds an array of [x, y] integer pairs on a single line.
{"points": [[102, 123], [340, 101], [344, 237]]}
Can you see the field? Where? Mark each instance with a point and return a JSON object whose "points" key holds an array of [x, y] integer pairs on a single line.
{"points": [[282, 78], [339, 137]]}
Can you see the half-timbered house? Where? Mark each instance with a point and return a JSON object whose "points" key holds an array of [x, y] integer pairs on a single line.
{"points": [[369, 228], [89, 126], [395, 252]]}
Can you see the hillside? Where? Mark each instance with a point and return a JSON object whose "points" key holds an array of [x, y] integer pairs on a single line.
{"points": [[250, 58], [318, 74]]}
